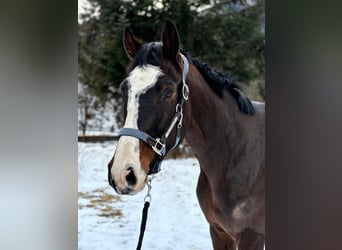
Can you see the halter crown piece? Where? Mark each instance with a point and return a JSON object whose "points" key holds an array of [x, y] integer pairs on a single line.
{"points": [[159, 144]]}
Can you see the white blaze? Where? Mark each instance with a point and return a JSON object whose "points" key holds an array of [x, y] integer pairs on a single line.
{"points": [[127, 152]]}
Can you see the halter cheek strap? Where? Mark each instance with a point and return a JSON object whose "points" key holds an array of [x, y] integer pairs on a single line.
{"points": [[159, 144]]}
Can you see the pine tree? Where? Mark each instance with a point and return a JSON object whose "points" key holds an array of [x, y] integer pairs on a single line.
{"points": [[229, 35]]}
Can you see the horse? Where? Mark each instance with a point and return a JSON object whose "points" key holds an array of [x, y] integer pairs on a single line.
{"points": [[168, 95]]}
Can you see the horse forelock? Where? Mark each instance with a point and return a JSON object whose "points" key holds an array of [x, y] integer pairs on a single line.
{"points": [[149, 54]]}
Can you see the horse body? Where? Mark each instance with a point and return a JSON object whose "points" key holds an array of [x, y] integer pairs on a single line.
{"points": [[230, 150], [224, 129]]}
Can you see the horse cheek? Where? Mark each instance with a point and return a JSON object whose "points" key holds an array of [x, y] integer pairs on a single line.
{"points": [[146, 156]]}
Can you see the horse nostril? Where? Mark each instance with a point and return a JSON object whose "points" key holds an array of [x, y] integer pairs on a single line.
{"points": [[130, 178]]}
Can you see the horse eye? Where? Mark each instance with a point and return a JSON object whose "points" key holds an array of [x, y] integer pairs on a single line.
{"points": [[168, 93]]}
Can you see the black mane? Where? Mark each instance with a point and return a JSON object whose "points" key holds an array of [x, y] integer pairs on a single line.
{"points": [[151, 53], [219, 82]]}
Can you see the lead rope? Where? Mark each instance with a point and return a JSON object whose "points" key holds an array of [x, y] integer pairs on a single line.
{"points": [[147, 201]]}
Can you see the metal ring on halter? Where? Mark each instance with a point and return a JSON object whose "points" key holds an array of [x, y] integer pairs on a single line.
{"points": [[159, 147], [185, 91]]}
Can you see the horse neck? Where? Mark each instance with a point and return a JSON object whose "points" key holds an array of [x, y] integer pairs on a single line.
{"points": [[212, 121]]}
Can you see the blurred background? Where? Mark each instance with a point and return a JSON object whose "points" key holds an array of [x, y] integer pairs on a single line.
{"points": [[229, 35], [39, 74]]}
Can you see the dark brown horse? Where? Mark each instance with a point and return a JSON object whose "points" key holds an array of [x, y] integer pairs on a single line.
{"points": [[168, 96]]}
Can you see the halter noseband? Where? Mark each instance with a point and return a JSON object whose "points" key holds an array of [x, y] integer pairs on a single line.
{"points": [[159, 144]]}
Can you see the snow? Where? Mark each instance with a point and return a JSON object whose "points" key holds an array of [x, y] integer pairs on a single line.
{"points": [[96, 132], [108, 221]]}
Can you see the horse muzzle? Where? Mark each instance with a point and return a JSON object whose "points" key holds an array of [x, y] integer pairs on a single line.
{"points": [[126, 180]]}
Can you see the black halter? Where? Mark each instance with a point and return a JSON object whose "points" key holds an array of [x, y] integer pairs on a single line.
{"points": [[159, 144]]}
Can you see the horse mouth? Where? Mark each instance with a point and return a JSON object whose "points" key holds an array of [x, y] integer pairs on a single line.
{"points": [[120, 191], [126, 191]]}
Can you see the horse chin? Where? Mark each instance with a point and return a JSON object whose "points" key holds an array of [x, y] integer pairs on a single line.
{"points": [[138, 188], [130, 190]]}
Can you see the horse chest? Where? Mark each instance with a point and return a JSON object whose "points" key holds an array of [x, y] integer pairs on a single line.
{"points": [[231, 217]]}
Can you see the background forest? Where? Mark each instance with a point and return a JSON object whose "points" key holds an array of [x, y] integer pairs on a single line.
{"points": [[227, 34]]}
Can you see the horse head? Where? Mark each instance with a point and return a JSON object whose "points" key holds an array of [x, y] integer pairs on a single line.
{"points": [[153, 96]]}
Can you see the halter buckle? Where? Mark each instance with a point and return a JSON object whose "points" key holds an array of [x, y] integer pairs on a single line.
{"points": [[159, 147]]}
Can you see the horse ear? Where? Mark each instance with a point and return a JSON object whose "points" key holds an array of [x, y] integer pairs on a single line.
{"points": [[131, 43], [170, 40]]}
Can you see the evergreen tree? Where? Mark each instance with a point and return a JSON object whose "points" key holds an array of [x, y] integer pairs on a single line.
{"points": [[228, 34]]}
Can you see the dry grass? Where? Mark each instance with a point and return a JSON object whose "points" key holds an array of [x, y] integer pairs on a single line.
{"points": [[108, 211], [101, 201]]}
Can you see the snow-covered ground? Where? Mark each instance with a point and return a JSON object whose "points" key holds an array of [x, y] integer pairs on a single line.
{"points": [[107, 221]]}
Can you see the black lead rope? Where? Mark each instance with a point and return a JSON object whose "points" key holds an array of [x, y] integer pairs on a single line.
{"points": [[147, 200], [143, 224]]}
